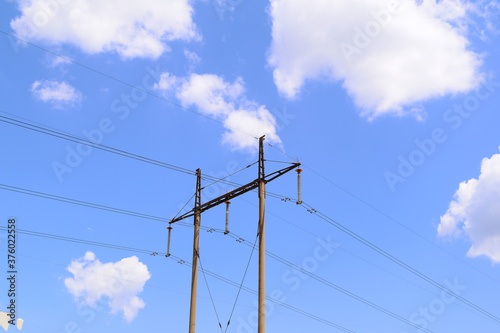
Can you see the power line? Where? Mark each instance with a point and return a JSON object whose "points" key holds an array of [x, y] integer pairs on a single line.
{"points": [[179, 260], [230, 175], [237, 238], [72, 138], [126, 83], [402, 225], [242, 281], [87, 204], [337, 288], [178, 105], [236, 129], [81, 203], [210, 293], [398, 261]]}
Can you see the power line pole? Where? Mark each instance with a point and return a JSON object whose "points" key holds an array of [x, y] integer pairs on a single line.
{"points": [[262, 241], [196, 249], [260, 184]]}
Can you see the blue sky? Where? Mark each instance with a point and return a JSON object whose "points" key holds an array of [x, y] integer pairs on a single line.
{"points": [[391, 106]]}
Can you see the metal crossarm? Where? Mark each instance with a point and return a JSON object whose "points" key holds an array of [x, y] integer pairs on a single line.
{"points": [[235, 193]]}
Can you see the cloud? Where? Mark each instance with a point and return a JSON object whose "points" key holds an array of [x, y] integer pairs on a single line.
{"points": [[59, 94], [225, 101], [388, 58], [475, 211], [119, 283], [192, 58], [127, 27]]}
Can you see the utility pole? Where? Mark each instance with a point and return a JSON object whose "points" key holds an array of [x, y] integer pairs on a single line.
{"points": [[262, 241], [196, 251], [260, 184]]}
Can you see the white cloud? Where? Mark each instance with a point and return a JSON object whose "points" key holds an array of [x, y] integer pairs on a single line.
{"points": [[55, 62], [119, 283], [225, 101], [192, 58], [475, 211], [59, 94], [130, 28], [388, 60]]}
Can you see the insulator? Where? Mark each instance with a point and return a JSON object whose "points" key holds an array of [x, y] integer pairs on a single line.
{"points": [[168, 244], [227, 217], [299, 199]]}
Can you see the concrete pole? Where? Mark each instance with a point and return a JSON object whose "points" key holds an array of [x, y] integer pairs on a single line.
{"points": [[262, 240], [196, 251]]}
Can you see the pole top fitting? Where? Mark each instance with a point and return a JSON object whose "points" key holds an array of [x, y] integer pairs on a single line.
{"points": [[228, 202], [299, 170], [169, 228]]}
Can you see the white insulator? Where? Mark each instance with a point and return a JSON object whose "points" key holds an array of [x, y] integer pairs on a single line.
{"points": [[299, 199], [168, 244]]}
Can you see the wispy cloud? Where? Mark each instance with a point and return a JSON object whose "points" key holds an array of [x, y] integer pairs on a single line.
{"points": [[59, 94]]}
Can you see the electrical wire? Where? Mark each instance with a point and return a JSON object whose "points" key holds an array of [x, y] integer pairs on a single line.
{"points": [[241, 240], [272, 146], [230, 175], [184, 206], [178, 105], [72, 138], [402, 225], [209, 292], [81, 203], [180, 261], [398, 261], [144, 216], [242, 281], [275, 301], [125, 83]]}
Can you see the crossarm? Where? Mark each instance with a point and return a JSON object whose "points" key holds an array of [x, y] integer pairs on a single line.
{"points": [[235, 193]]}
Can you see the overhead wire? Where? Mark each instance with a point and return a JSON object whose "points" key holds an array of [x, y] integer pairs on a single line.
{"points": [[242, 281], [398, 261], [183, 262], [124, 83], [120, 152], [236, 129], [230, 175], [232, 235], [187, 202], [210, 293], [96, 145], [178, 105], [402, 225]]}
